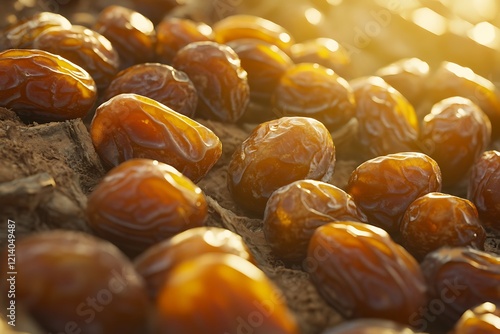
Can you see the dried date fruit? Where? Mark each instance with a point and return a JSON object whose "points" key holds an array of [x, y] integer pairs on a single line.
{"points": [[43, 87], [277, 153], [408, 76], [75, 282], [370, 326], [22, 34], [484, 319], [484, 188], [455, 134], [154, 9], [134, 126], [436, 220], [142, 202], [363, 273], [221, 82], [248, 26], [387, 121], [175, 33], [458, 279], [159, 82], [311, 90], [132, 34], [451, 79], [385, 186], [227, 294], [156, 263], [294, 211], [84, 47], [265, 64], [326, 52]]}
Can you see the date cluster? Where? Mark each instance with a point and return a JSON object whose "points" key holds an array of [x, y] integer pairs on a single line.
{"points": [[396, 249]]}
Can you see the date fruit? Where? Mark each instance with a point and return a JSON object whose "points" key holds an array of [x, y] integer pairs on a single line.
{"points": [[159, 82], [226, 293], [84, 47], [156, 263], [43, 87], [385, 186], [370, 326], [142, 202], [311, 90], [221, 82], [437, 220], [484, 188], [484, 319], [294, 211], [73, 280], [134, 126], [455, 134], [278, 153], [363, 273], [461, 278]]}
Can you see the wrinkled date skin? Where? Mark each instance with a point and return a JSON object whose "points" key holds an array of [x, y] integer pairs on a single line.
{"points": [[133, 35], [311, 90], [484, 319], [265, 64], [437, 220], [43, 87], [461, 278], [294, 211], [248, 26], [133, 126], [278, 153], [408, 76], [484, 188], [84, 47], [157, 262], [455, 134], [22, 34], [385, 186], [77, 279], [451, 79], [221, 82], [175, 33], [362, 273], [142, 202], [326, 52], [223, 291], [159, 82], [369, 326], [387, 121]]}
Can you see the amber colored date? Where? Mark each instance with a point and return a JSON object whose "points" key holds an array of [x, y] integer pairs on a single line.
{"points": [[484, 188], [133, 35], [461, 278], [142, 202], [43, 87], [159, 82], [440, 220], [75, 280], [277, 153], [22, 34], [294, 211], [156, 263], [387, 121], [484, 319], [385, 186], [311, 90], [455, 133], [363, 273], [249, 26], [226, 293], [84, 47], [175, 33], [221, 82], [370, 326], [133, 126]]}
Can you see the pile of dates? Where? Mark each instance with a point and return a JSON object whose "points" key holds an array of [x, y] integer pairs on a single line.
{"points": [[398, 248]]}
